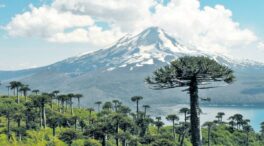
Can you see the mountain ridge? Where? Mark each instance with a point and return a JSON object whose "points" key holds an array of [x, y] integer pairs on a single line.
{"points": [[119, 71], [152, 44]]}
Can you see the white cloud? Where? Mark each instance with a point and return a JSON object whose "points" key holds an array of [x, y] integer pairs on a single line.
{"points": [[125, 14], [94, 35], [261, 45], [45, 22], [210, 28]]}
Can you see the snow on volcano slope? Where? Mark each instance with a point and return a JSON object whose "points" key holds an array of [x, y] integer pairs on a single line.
{"points": [[149, 47]]}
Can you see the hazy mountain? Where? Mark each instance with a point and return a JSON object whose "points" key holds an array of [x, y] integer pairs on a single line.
{"points": [[119, 72]]}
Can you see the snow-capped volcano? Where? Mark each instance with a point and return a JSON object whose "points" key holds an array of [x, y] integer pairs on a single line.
{"points": [[119, 71], [152, 46]]}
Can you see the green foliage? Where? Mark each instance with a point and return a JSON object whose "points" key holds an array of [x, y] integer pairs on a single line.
{"points": [[91, 142], [115, 124], [68, 136]]}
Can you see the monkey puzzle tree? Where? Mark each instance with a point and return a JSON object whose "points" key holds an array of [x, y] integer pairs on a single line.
{"points": [[90, 114], [36, 91], [239, 120], [116, 104], [158, 124], [62, 99], [68, 136], [194, 73], [209, 126], [70, 96], [247, 129], [15, 85], [262, 129], [53, 122], [41, 101], [145, 109], [78, 96], [24, 89], [116, 118], [173, 118], [185, 111], [18, 118], [108, 106], [136, 99], [219, 117], [82, 124], [8, 109], [56, 92]]}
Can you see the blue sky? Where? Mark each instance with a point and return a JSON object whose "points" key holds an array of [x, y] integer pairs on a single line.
{"points": [[31, 49], [247, 12]]}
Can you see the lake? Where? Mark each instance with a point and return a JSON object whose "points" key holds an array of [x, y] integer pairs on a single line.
{"points": [[255, 114]]}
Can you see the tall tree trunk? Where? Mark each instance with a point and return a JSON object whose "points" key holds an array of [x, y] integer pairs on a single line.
{"points": [[185, 118], [27, 120], [79, 103], [104, 141], [145, 112], [53, 130], [66, 106], [44, 116], [124, 142], [18, 125], [183, 136], [137, 109], [41, 118], [209, 135], [115, 106], [8, 126], [195, 119], [247, 138], [71, 107], [90, 115], [17, 96], [75, 124], [62, 106], [117, 140], [173, 129], [51, 104]]}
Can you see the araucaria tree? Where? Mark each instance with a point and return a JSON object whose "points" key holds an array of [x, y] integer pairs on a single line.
{"points": [[78, 96], [209, 126], [173, 118], [15, 85], [8, 109], [136, 99], [24, 89], [70, 96], [41, 101], [191, 72], [219, 117]]}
